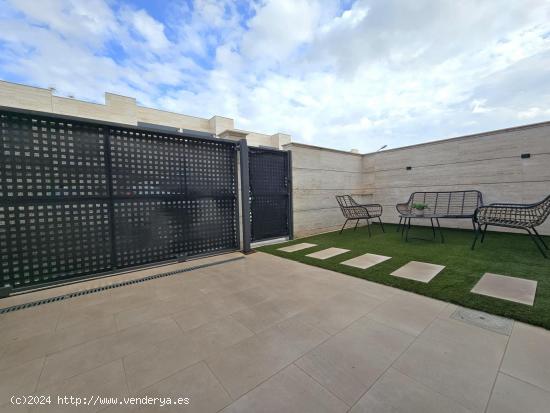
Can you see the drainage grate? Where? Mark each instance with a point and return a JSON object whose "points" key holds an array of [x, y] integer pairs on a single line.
{"points": [[490, 322], [110, 286]]}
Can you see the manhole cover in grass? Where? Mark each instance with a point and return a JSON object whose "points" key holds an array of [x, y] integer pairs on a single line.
{"points": [[490, 322]]}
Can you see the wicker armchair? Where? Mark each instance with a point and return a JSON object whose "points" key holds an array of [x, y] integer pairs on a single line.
{"points": [[518, 216], [353, 211]]}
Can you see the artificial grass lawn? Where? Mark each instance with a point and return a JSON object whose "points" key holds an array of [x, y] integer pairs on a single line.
{"points": [[501, 253]]}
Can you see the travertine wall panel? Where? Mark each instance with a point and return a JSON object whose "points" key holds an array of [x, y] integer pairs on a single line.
{"points": [[489, 162], [318, 174], [25, 97], [160, 117]]}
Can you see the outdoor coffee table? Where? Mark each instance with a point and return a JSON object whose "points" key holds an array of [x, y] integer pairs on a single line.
{"points": [[432, 217]]}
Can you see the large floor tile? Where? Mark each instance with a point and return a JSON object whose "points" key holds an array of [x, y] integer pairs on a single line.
{"points": [[518, 290], [156, 309], [327, 253], [418, 271], [197, 315], [365, 261], [155, 363], [29, 322], [379, 291], [457, 360], [260, 316], [290, 390], [337, 312], [290, 306], [395, 392], [205, 393], [246, 364], [351, 361], [20, 380], [79, 316], [410, 313], [104, 381], [297, 247], [511, 395], [528, 355], [240, 300], [83, 357], [26, 349]]}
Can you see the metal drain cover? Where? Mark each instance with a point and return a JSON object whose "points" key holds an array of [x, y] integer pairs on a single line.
{"points": [[490, 322]]}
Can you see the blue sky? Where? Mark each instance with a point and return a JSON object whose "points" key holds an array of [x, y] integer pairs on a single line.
{"points": [[344, 74]]}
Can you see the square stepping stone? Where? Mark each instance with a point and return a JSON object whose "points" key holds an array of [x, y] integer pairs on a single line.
{"points": [[365, 261], [518, 290], [328, 253], [297, 247], [418, 271]]}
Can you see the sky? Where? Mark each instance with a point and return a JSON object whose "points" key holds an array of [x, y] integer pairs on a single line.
{"points": [[343, 74]]}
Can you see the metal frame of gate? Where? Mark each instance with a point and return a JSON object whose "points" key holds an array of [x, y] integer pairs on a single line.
{"points": [[76, 196], [270, 193]]}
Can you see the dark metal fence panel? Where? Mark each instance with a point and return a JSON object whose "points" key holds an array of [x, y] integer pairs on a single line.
{"points": [[79, 198], [173, 196], [270, 193], [53, 208]]}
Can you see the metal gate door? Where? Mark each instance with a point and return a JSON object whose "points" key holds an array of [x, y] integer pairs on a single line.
{"points": [[270, 193], [79, 197]]}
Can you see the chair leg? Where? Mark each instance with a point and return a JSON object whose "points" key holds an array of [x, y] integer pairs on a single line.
{"points": [[343, 226], [476, 234], [483, 232], [474, 224], [407, 231], [368, 227], [536, 243], [381, 224], [433, 229], [399, 225], [540, 238], [356, 223], [403, 227], [440, 231]]}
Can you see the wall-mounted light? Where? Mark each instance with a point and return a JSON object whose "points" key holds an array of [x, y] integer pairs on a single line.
{"points": [[409, 168], [525, 155]]}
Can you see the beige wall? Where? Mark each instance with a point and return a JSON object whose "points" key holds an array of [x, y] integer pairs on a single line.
{"points": [[123, 109], [318, 174], [489, 162]]}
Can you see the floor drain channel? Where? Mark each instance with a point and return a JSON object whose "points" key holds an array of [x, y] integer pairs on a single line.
{"points": [[110, 286], [490, 322]]}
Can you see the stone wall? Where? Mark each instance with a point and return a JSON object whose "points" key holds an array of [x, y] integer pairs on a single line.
{"points": [[318, 174], [489, 162]]}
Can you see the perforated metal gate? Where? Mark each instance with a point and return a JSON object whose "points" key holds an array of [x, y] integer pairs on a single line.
{"points": [[270, 193], [80, 198]]}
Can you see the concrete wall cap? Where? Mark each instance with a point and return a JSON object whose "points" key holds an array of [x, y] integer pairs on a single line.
{"points": [[233, 133], [319, 148], [465, 137]]}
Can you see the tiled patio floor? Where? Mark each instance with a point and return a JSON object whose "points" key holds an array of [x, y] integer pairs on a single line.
{"points": [[265, 334]]}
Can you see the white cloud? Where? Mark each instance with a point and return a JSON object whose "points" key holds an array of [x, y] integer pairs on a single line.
{"points": [[279, 27], [534, 112], [151, 30], [376, 73]]}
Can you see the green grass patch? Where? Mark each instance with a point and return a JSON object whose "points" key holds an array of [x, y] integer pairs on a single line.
{"points": [[501, 253]]}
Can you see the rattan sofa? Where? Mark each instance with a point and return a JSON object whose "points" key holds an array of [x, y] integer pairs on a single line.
{"points": [[443, 204]]}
